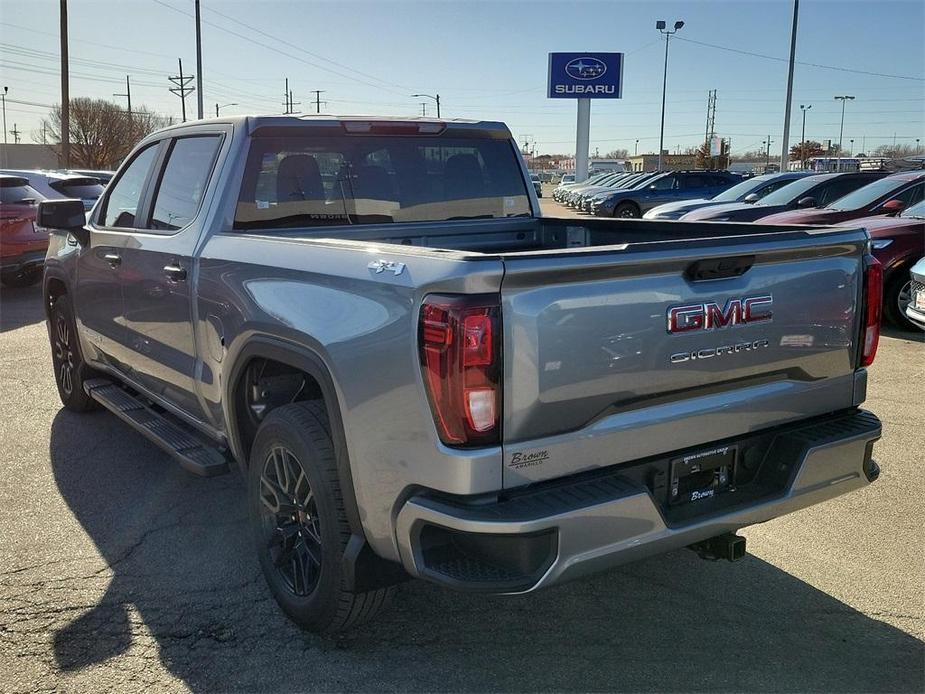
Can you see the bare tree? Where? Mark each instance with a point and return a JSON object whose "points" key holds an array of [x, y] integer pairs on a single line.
{"points": [[617, 154], [895, 151], [101, 133]]}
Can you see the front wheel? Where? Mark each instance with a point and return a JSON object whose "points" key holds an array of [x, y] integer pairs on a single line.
{"points": [[897, 293], [626, 210], [70, 369], [299, 523]]}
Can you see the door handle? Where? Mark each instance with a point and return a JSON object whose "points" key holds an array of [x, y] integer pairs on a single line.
{"points": [[114, 259], [175, 272]]}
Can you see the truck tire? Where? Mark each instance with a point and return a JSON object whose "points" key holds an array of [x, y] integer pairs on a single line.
{"points": [[897, 293], [70, 369], [299, 523], [626, 210]]}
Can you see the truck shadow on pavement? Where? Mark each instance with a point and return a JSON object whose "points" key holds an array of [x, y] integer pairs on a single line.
{"points": [[20, 306], [185, 594]]}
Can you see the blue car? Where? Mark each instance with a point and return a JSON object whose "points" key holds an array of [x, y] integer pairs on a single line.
{"points": [[749, 190], [670, 186]]}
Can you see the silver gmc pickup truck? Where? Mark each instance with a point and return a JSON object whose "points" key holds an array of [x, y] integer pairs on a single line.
{"points": [[420, 375]]}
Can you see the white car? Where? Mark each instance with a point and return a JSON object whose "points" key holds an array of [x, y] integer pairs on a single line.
{"points": [[52, 185], [916, 308]]}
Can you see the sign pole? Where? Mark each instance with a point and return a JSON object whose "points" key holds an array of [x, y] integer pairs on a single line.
{"points": [[582, 139]]}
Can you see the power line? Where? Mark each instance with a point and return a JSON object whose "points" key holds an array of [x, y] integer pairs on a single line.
{"points": [[800, 62]]}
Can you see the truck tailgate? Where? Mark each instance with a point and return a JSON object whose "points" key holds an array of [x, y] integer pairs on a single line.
{"points": [[596, 373]]}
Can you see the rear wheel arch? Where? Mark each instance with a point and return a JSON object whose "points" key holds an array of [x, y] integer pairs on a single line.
{"points": [[284, 356]]}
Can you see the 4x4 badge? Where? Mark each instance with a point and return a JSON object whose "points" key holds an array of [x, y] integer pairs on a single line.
{"points": [[380, 266]]}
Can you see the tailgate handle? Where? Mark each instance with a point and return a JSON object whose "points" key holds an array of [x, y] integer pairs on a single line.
{"points": [[719, 268]]}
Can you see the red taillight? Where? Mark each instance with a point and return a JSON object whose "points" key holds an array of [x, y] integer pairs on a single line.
{"points": [[460, 359], [873, 303]]}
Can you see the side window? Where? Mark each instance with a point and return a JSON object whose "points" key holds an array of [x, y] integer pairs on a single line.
{"points": [[667, 183], [911, 195], [184, 181], [840, 187], [125, 196], [772, 186]]}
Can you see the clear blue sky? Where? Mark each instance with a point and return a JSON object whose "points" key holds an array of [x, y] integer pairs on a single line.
{"points": [[488, 60]]}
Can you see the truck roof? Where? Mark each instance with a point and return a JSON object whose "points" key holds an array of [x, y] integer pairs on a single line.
{"points": [[267, 123]]}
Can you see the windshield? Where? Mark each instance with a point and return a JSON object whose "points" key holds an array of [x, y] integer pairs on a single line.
{"points": [[299, 181], [864, 196], [13, 194], [790, 192], [917, 211], [740, 190]]}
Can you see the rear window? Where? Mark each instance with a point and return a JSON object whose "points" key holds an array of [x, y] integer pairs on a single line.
{"points": [[336, 180], [85, 189], [12, 194]]}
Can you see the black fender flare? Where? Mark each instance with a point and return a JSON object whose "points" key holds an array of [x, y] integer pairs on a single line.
{"points": [[305, 359]]}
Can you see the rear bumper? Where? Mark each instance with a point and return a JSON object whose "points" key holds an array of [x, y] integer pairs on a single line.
{"points": [[557, 532]]}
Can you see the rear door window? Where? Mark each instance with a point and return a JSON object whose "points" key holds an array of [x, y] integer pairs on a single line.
{"points": [[305, 181], [838, 187], [183, 183], [125, 196]]}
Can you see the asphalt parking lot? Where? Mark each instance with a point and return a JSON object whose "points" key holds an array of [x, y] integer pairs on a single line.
{"points": [[119, 571]]}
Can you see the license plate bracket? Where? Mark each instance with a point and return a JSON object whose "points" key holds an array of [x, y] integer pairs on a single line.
{"points": [[702, 475]]}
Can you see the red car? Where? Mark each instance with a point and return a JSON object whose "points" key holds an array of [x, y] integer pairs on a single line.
{"points": [[885, 196], [22, 247], [897, 243]]}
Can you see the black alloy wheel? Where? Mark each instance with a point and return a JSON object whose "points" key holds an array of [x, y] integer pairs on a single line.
{"points": [[289, 517]]}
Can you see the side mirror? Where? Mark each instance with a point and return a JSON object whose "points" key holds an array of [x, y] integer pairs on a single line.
{"points": [[893, 207], [804, 203], [751, 197], [65, 215]]}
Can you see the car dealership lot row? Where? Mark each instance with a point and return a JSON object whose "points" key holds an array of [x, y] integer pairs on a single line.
{"points": [[121, 571]]}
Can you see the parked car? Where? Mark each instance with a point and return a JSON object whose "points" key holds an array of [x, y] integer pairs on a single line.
{"points": [[413, 384], [897, 243], [750, 190], [22, 244], [669, 186], [577, 197], [103, 176], [537, 185], [812, 191], [888, 196], [564, 186], [52, 184], [915, 310], [567, 178], [593, 182]]}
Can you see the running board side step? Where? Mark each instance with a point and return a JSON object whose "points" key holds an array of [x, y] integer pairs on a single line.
{"points": [[193, 454]]}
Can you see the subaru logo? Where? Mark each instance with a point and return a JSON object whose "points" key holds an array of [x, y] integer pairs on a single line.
{"points": [[585, 68]]}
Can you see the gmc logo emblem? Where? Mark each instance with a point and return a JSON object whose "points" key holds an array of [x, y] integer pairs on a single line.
{"points": [[710, 316]]}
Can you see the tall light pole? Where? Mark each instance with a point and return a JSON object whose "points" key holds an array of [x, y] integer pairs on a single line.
{"points": [[660, 25], [841, 129], [3, 97], [636, 148], [199, 110], [785, 143], [803, 109], [435, 98], [217, 107]]}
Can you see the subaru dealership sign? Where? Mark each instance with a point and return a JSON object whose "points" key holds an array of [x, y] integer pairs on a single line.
{"points": [[585, 76]]}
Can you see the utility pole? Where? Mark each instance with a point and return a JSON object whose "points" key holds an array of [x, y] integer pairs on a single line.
{"points": [[44, 139], [15, 133], [785, 144], [708, 134], [293, 104], [767, 156], [65, 94], [636, 148], [803, 109], [181, 89], [199, 112], [286, 93], [317, 93], [844, 99], [424, 108], [660, 25], [127, 95], [429, 96], [3, 98]]}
